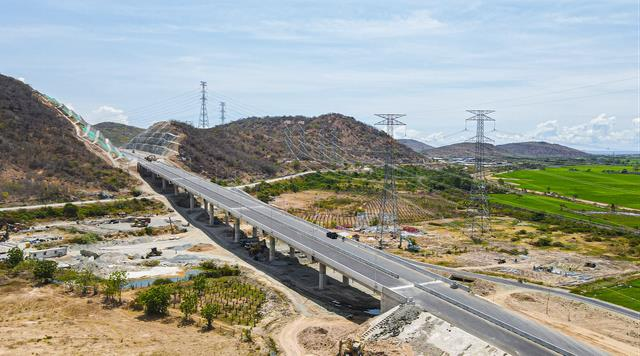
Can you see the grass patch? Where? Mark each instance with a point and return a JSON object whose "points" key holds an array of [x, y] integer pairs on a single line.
{"points": [[76, 212], [623, 291], [601, 183], [565, 208]]}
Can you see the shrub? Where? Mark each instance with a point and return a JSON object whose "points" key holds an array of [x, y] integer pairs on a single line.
{"points": [[155, 300], [543, 241], [14, 256], [114, 284], [162, 281], [70, 211], [44, 270], [209, 312], [189, 305]]}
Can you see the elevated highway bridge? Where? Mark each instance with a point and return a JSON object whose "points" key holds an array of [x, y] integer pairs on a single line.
{"points": [[395, 279]]}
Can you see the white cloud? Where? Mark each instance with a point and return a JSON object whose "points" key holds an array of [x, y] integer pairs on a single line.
{"points": [[108, 113], [414, 24], [600, 131]]}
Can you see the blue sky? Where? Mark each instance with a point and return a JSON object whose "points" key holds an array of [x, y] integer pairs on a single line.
{"points": [[562, 71]]}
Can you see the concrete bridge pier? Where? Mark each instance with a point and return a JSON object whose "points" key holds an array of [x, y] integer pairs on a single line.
{"points": [[176, 189], [322, 276], [292, 252], [192, 201], [254, 232], [226, 218], [345, 280], [236, 230], [212, 213], [164, 185], [205, 205], [272, 248]]}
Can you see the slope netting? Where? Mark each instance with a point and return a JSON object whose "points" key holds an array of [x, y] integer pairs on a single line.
{"points": [[91, 135]]}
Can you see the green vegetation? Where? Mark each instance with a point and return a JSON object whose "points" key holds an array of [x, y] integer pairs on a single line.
{"points": [[14, 257], [607, 184], [70, 211], [574, 210], [209, 312], [44, 270], [114, 284], [623, 291], [155, 299], [451, 182]]}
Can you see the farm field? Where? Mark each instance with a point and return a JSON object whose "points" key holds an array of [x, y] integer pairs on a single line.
{"points": [[584, 182], [622, 293], [565, 208]]}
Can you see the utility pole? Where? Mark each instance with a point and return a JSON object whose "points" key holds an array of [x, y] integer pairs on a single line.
{"points": [[479, 223], [389, 209], [204, 117], [222, 111]]}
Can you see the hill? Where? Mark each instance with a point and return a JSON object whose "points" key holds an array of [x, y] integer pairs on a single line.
{"points": [[258, 148], [119, 134], [415, 145], [509, 150], [42, 158], [541, 150]]}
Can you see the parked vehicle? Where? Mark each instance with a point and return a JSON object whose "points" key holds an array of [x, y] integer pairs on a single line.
{"points": [[332, 235]]}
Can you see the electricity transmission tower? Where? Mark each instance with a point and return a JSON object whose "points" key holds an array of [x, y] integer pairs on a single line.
{"points": [[389, 210], [222, 111], [204, 117], [479, 224]]}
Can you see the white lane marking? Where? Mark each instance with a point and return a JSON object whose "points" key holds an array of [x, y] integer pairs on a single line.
{"points": [[402, 287]]}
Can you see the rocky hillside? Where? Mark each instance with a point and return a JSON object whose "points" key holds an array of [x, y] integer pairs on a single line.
{"points": [[509, 150], [42, 159], [541, 150], [415, 145], [119, 134], [256, 148]]}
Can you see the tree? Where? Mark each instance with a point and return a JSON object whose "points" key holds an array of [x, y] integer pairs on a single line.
{"points": [[155, 299], [70, 211], [14, 256], [86, 279], [114, 284], [209, 312], [189, 305], [44, 270]]}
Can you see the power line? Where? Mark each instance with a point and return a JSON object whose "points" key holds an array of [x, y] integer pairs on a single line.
{"points": [[204, 117]]}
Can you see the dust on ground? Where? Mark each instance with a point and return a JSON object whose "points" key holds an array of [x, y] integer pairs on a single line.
{"points": [[609, 331], [45, 320]]}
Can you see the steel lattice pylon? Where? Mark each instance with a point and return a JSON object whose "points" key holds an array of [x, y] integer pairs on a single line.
{"points": [[389, 210], [479, 224], [203, 123]]}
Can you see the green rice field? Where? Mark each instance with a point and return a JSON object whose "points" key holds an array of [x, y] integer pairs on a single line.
{"points": [[569, 209], [624, 293], [584, 182]]}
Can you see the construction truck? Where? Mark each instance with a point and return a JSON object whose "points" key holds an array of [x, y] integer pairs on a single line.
{"points": [[151, 158], [141, 222], [412, 245], [154, 252]]}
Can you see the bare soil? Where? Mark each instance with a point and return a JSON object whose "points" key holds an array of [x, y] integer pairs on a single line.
{"points": [[47, 321], [611, 332]]}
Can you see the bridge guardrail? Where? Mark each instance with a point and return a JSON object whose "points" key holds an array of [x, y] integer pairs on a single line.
{"points": [[496, 321]]}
